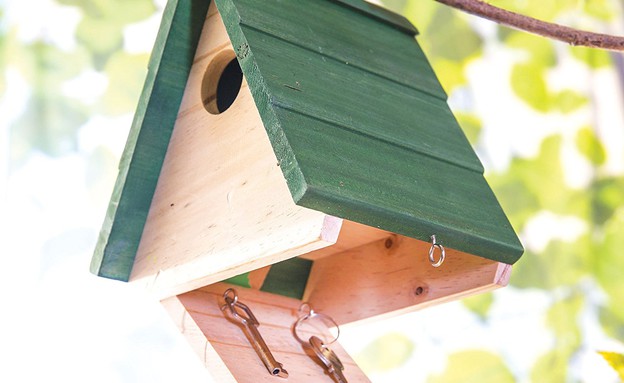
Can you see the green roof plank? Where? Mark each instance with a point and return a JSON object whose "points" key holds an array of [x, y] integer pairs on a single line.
{"points": [[353, 38], [358, 100], [397, 189]]}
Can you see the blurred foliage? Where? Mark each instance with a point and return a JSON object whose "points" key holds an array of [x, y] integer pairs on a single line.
{"points": [[615, 360], [52, 118], [479, 304], [385, 353], [531, 185], [101, 28], [474, 367]]}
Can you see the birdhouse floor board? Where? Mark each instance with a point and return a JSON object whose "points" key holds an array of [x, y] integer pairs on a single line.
{"points": [[198, 315]]}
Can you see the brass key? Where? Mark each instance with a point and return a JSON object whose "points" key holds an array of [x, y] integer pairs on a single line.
{"points": [[332, 363], [250, 328]]}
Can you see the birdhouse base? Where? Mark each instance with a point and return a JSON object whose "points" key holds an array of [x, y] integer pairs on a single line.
{"points": [[349, 281], [227, 353]]}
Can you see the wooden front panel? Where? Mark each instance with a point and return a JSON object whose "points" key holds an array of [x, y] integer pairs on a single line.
{"points": [[392, 276], [222, 206]]}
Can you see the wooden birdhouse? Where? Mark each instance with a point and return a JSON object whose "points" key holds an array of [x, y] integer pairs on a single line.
{"points": [[298, 151]]}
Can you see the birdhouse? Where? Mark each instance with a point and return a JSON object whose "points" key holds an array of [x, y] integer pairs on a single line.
{"points": [[299, 152]]}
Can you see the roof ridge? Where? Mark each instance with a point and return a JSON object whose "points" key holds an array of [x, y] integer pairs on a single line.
{"points": [[381, 14]]}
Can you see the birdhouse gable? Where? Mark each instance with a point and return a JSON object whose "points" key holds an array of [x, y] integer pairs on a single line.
{"points": [[271, 130]]}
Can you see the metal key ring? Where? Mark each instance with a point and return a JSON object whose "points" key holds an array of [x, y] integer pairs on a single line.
{"points": [[234, 297], [310, 314], [434, 244]]}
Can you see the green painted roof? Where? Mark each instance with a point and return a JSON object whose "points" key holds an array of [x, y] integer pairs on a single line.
{"points": [[356, 117]]}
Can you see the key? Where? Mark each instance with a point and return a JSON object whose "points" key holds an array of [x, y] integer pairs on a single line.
{"points": [[329, 358], [250, 328]]}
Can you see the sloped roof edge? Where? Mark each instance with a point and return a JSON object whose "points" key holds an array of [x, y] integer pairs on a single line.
{"points": [[143, 156]]}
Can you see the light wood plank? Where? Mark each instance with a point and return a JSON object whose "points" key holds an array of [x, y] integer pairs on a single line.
{"points": [[387, 278], [352, 234], [193, 334], [203, 323], [222, 206]]}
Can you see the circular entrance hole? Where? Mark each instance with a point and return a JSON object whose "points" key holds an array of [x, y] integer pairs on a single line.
{"points": [[222, 82]]}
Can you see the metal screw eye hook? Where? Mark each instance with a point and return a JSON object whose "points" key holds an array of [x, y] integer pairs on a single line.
{"points": [[434, 245], [310, 314]]}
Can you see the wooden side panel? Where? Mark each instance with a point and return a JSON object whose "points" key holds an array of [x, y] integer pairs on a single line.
{"points": [[148, 139], [206, 327], [222, 206], [352, 235], [391, 277]]}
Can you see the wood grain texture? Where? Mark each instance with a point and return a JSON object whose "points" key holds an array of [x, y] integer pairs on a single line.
{"points": [[364, 103], [429, 196], [388, 278], [358, 146], [352, 235], [355, 39], [205, 326], [148, 139], [221, 206]]}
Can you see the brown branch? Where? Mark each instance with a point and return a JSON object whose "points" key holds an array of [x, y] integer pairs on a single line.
{"points": [[554, 31]]}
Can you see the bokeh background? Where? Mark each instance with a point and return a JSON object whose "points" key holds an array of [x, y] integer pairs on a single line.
{"points": [[546, 119]]}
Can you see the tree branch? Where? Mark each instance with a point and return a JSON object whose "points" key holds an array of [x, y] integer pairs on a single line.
{"points": [[554, 31]]}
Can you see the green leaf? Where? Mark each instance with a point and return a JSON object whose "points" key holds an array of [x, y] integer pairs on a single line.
{"points": [[101, 174], [568, 101], [607, 195], [595, 58], [51, 120], [527, 81], [541, 49], [612, 321], [539, 9], [600, 9], [474, 366], [470, 124], [126, 74], [560, 264], [49, 124], [397, 6], [451, 37], [450, 73], [479, 304], [590, 146], [100, 36], [608, 269], [562, 318], [533, 184], [117, 11], [615, 360], [551, 367], [385, 353]]}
